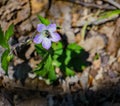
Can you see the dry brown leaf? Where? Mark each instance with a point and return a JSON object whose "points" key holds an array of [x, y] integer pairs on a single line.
{"points": [[75, 17], [114, 41], [84, 79], [96, 64], [90, 81], [93, 44], [78, 38], [118, 59], [38, 5]]}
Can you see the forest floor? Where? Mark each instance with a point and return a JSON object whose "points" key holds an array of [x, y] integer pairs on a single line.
{"points": [[97, 85]]}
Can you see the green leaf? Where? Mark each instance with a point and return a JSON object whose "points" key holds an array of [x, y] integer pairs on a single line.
{"points": [[57, 49], [43, 20], [48, 63], [41, 51], [52, 74], [72, 48], [41, 65], [109, 14], [42, 72], [83, 31], [68, 56], [9, 32], [47, 70], [10, 57], [57, 52], [56, 63], [69, 72], [5, 59], [50, 69], [3, 42]]}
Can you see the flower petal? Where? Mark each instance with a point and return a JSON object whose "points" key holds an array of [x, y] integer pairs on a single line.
{"points": [[38, 39], [46, 43], [41, 27], [51, 27], [55, 37]]}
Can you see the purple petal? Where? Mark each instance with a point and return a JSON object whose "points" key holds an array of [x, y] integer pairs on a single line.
{"points": [[41, 27], [51, 27], [55, 37], [46, 43], [38, 39]]}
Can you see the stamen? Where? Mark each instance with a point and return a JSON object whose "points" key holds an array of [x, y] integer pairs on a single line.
{"points": [[46, 33]]}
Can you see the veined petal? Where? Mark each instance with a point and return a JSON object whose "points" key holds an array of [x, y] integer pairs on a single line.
{"points": [[46, 43], [41, 27], [55, 37], [51, 27], [38, 39]]}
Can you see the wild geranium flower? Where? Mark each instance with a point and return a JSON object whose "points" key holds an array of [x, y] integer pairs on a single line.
{"points": [[47, 35]]}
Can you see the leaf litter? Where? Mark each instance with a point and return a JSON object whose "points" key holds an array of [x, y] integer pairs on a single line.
{"points": [[98, 84]]}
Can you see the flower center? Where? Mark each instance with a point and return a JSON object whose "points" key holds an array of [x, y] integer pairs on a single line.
{"points": [[46, 33]]}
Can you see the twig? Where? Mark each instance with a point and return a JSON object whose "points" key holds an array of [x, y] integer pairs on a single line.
{"points": [[113, 3], [96, 22], [49, 6], [90, 4]]}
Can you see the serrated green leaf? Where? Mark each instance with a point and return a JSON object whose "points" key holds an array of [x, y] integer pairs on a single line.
{"points": [[48, 63], [42, 72], [56, 63], [43, 20], [41, 51], [9, 32], [3, 42], [41, 65], [57, 49], [74, 47], [50, 69], [52, 74], [5, 59], [47, 69], [68, 56], [69, 72], [57, 46]]}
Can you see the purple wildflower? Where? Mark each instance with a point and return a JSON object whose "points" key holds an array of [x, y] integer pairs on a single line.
{"points": [[46, 35]]}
